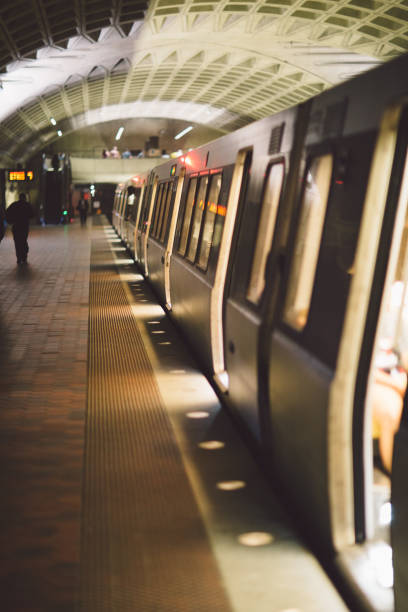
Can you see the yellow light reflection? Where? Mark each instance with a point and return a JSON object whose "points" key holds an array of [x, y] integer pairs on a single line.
{"points": [[255, 538], [130, 277], [231, 485], [146, 310], [212, 444], [198, 414]]}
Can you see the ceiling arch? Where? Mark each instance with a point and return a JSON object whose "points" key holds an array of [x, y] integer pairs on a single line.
{"points": [[222, 63]]}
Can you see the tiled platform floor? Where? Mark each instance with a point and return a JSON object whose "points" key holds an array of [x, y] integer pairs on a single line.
{"points": [[64, 495], [43, 357]]}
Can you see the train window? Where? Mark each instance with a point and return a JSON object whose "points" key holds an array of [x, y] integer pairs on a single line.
{"points": [[120, 200], [166, 190], [145, 207], [307, 244], [135, 205], [187, 216], [123, 205], [166, 209], [197, 218], [209, 221], [265, 232], [156, 212], [130, 207]]}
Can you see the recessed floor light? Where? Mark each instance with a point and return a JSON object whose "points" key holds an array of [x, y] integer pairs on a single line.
{"points": [[255, 538]]}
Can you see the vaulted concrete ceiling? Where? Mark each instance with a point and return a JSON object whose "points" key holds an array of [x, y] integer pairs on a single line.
{"points": [[220, 63]]}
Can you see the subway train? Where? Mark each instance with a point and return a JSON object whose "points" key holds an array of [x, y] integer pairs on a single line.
{"points": [[281, 253]]}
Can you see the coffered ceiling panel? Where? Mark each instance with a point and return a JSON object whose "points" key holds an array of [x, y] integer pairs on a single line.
{"points": [[219, 63]]}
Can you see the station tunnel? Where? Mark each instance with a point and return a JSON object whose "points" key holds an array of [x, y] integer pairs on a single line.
{"points": [[185, 408]]}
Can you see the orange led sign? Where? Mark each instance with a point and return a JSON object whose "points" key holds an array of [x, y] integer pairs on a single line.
{"points": [[21, 175]]}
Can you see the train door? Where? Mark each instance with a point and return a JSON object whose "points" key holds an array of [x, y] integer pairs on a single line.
{"points": [[217, 293], [144, 209], [171, 235], [128, 200], [122, 206], [147, 223], [139, 203], [367, 394], [115, 208]]}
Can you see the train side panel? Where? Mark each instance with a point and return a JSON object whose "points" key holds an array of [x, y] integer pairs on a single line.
{"points": [[243, 312]]}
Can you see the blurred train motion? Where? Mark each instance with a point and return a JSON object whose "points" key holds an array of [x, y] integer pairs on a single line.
{"points": [[281, 252]]}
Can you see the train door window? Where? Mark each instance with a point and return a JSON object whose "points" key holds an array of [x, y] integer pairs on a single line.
{"points": [[187, 216], [131, 207], [209, 221], [123, 204], [123, 207], [166, 210], [197, 218], [166, 190], [120, 202], [267, 220], [145, 207], [135, 205], [156, 212], [128, 206], [307, 244]]}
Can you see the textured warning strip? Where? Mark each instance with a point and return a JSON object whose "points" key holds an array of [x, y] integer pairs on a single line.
{"points": [[144, 546]]}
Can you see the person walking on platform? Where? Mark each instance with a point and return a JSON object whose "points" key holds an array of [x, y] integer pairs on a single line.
{"points": [[82, 208], [18, 214]]}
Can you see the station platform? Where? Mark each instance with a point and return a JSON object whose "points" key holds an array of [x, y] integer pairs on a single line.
{"points": [[125, 485]]}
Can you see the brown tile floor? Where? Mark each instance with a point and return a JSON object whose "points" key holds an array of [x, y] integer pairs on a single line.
{"points": [[153, 533], [43, 359]]}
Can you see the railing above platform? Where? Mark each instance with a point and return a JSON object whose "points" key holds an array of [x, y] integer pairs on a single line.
{"points": [[91, 170]]}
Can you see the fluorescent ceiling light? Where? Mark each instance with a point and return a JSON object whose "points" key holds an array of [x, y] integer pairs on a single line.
{"points": [[59, 133], [53, 121], [183, 132], [120, 132]]}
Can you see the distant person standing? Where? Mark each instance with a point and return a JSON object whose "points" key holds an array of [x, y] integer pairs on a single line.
{"points": [[114, 153], [82, 208], [18, 214]]}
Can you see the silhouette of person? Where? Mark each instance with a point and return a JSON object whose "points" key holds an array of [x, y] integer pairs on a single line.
{"points": [[82, 208], [115, 152], [18, 214]]}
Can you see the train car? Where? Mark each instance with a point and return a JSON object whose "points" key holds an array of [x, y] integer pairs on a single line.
{"points": [[127, 208], [281, 253], [323, 383]]}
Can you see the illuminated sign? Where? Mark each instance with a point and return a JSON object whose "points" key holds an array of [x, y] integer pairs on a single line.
{"points": [[21, 175]]}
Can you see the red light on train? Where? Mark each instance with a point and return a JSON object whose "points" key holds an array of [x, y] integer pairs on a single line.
{"points": [[186, 160], [135, 179]]}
